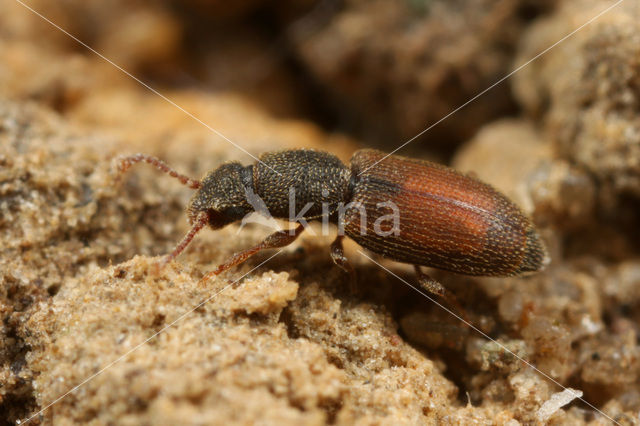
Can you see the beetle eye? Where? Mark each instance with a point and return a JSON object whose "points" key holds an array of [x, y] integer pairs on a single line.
{"points": [[235, 213], [216, 219]]}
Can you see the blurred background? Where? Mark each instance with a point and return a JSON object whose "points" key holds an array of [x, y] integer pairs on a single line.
{"points": [[382, 71]]}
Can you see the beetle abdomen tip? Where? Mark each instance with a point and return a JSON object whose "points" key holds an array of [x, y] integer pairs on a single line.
{"points": [[536, 257]]}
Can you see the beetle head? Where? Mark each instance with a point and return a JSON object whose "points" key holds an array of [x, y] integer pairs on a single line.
{"points": [[222, 196]]}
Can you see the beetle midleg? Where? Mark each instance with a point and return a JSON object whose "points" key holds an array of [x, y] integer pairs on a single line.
{"points": [[434, 287], [338, 257], [275, 240]]}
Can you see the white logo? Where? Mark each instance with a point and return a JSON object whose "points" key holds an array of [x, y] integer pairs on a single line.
{"points": [[385, 225], [260, 215]]}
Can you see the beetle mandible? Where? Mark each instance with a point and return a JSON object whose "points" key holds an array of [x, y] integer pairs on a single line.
{"points": [[448, 220]]}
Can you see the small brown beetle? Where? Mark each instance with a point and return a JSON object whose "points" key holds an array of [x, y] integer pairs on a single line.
{"points": [[441, 218]]}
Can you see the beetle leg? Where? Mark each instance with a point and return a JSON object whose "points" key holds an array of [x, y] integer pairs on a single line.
{"points": [[338, 257], [434, 287], [275, 240]]}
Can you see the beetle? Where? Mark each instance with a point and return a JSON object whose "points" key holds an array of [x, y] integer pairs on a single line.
{"points": [[444, 219]]}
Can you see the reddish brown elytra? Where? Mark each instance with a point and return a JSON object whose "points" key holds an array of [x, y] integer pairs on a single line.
{"points": [[411, 211]]}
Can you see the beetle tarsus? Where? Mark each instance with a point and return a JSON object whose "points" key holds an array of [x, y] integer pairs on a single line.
{"points": [[434, 287]]}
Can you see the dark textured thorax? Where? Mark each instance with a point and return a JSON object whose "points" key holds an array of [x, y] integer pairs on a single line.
{"points": [[305, 177], [447, 220]]}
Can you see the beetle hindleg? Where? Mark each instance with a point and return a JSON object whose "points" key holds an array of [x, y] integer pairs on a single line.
{"points": [[338, 257], [434, 287]]}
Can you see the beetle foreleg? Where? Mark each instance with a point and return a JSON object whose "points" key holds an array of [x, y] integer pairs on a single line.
{"points": [[275, 240]]}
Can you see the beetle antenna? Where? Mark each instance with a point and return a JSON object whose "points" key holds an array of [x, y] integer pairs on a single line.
{"points": [[124, 163], [198, 224]]}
